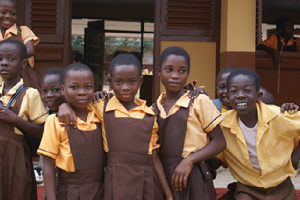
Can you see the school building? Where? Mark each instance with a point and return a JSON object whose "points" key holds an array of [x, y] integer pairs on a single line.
{"points": [[216, 34]]}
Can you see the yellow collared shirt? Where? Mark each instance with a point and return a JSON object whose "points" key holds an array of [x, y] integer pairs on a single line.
{"points": [[120, 111], [32, 108], [55, 143], [26, 34], [203, 118], [275, 142]]}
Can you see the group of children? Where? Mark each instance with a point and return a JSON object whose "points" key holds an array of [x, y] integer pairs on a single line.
{"points": [[147, 153], [121, 149]]}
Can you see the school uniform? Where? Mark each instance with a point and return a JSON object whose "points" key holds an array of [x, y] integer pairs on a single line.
{"points": [[274, 145], [183, 131], [128, 140], [17, 180], [24, 34], [78, 155], [275, 41]]}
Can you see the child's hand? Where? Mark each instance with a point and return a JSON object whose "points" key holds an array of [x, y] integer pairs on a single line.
{"points": [[180, 174], [7, 115], [190, 86], [195, 93], [289, 107], [66, 114], [101, 95]]}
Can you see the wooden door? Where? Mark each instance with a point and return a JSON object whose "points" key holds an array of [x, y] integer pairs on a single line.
{"points": [[94, 51], [50, 20]]}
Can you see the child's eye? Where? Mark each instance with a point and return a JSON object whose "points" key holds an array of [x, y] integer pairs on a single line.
{"points": [[74, 87], [248, 91], [88, 87], [13, 14], [132, 81], [232, 91], [44, 91], [118, 82], [56, 90], [182, 71], [3, 12], [168, 69], [11, 58]]}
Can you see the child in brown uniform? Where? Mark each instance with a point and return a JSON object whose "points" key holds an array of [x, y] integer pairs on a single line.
{"points": [[184, 126], [9, 30], [77, 152], [129, 137], [22, 109]]}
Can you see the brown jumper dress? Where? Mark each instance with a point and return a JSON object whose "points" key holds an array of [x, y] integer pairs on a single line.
{"points": [[28, 73], [16, 170], [130, 173], [86, 183], [172, 132]]}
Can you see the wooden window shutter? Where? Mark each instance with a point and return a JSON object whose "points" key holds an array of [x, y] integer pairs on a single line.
{"points": [[258, 21], [43, 19], [189, 18]]}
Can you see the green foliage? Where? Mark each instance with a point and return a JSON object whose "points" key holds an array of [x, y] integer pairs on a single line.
{"points": [[114, 44], [78, 44]]}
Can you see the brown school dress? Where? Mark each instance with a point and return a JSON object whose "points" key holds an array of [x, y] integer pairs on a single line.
{"points": [[89, 160], [28, 73], [130, 173], [16, 170], [172, 132]]}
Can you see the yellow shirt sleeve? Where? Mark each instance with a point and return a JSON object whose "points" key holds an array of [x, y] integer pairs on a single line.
{"points": [[271, 42], [28, 35], [32, 108]]}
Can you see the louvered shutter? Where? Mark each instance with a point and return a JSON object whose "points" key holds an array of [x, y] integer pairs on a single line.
{"points": [[43, 17], [189, 18]]}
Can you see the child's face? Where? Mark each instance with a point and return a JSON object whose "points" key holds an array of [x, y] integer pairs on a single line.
{"points": [[243, 95], [51, 92], [222, 89], [78, 88], [174, 73], [125, 81], [11, 62], [288, 30], [8, 14]]}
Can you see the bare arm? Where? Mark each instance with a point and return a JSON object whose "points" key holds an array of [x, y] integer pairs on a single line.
{"points": [[216, 145], [161, 175], [30, 48], [49, 177], [296, 157], [275, 53], [30, 128], [66, 114]]}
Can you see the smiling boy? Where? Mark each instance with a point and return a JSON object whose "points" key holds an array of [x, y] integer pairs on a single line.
{"points": [[259, 141]]}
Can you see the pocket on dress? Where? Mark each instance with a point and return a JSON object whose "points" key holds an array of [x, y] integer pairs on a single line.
{"points": [[274, 152]]}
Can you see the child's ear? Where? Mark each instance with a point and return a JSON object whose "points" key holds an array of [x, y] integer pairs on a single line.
{"points": [[24, 62], [109, 80], [259, 95], [141, 80], [62, 87], [158, 71]]}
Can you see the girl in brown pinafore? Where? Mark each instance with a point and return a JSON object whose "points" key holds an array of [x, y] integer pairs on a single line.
{"points": [[77, 152], [129, 130], [21, 112], [184, 126]]}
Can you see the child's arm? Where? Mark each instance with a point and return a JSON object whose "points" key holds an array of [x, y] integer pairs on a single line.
{"points": [[216, 145], [49, 177], [30, 48], [66, 114], [30, 128], [275, 53], [296, 157], [161, 175]]}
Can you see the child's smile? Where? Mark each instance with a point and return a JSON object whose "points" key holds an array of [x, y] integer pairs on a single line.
{"points": [[8, 14], [242, 94]]}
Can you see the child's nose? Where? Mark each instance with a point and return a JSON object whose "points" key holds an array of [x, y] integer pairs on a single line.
{"points": [[82, 91], [175, 75]]}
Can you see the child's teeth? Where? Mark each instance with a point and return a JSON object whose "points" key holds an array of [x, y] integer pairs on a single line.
{"points": [[242, 104]]}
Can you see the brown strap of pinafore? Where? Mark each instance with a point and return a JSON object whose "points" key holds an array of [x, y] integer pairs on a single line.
{"points": [[126, 134], [172, 132], [88, 155], [7, 129]]}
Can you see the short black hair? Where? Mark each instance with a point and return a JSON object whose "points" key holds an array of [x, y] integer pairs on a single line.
{"points": [[53, 71], [19, 46], [174, 50], [125, 59], [280, 23], [247, 72], [75, 67], [224, 71]]}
